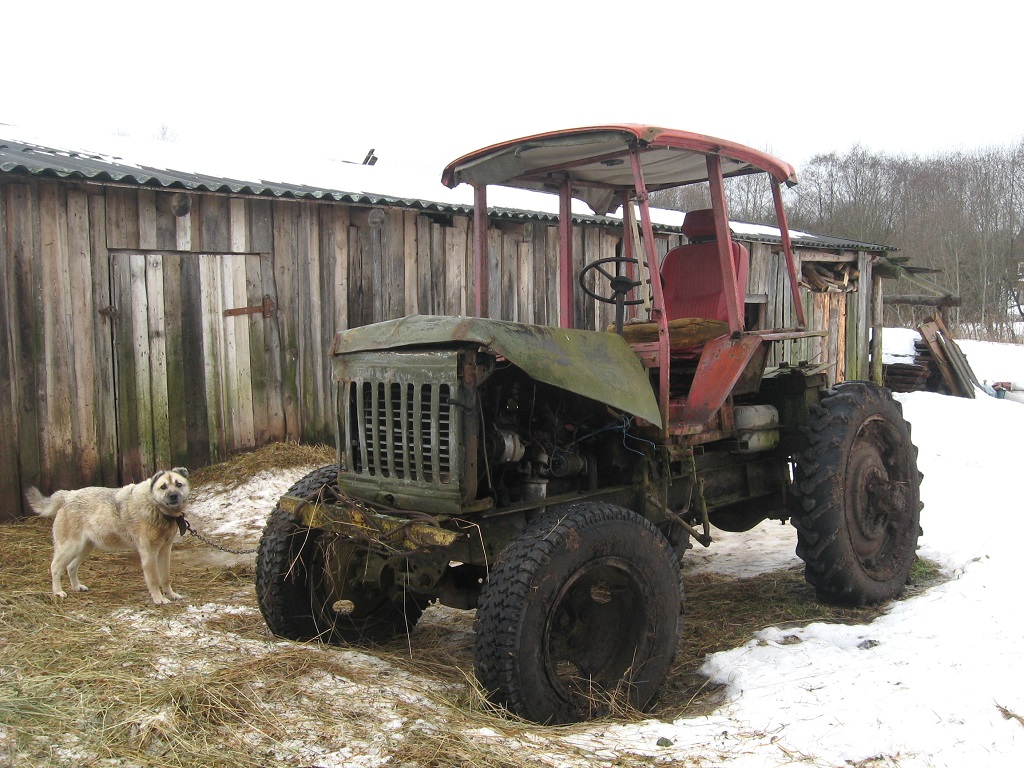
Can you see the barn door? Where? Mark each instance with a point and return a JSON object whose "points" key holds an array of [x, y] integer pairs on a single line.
{"points": [[196, 358]]}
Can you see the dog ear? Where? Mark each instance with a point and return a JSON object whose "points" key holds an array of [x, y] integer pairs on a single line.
{"points": [[181, 471], [155, 477]]}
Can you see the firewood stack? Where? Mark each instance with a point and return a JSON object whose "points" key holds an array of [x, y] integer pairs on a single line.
{"points": [[939, 365], [830, 278]]}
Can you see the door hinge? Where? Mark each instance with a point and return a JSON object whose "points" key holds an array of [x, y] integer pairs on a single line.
{"points": [[266, 309]]}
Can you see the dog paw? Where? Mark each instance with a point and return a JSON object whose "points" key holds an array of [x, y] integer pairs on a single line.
{"points": [[160, 600], [60, 594], [80, 588], [175, 596]]}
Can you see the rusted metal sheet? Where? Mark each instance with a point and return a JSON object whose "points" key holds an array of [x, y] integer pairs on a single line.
{"points": [[721, 365], [394, 532], [598, 365]]}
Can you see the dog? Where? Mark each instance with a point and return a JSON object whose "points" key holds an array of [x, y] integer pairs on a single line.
{"points": [[142, 516]]}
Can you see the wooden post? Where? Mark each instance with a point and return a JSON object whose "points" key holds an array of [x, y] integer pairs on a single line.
{"points": [[565, 313], [481, 273], [876, 327]]}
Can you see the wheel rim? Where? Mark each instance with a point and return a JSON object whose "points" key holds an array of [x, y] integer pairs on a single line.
{"points": [[339, 589], [593, 634], [877, 499]]}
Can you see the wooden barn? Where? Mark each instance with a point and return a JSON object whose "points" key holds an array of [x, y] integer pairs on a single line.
{"points": [[156, 318]]}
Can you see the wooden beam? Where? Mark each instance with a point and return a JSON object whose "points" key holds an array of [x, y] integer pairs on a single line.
{"points": [[924, 301]]}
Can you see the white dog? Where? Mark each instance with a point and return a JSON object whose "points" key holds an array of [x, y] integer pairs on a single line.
{"points": [[143, 516]]}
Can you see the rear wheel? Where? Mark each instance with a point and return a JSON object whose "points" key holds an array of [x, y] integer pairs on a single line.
{"points": [[316, 585], [861, 512], [580, 615]]}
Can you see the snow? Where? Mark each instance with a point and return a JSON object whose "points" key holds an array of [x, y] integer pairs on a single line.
{"points": [[306, 169], [925, 685]]}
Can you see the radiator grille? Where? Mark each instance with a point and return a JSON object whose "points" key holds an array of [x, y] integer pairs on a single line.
{"points": [[400, 430]]}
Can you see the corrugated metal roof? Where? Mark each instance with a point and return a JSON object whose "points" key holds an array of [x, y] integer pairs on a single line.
{"points": [[32, 159]]}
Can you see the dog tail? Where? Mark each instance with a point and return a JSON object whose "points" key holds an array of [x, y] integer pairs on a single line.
{"points": [[45, 506]]}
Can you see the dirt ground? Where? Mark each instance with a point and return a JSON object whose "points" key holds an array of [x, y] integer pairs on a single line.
{"points": [[106, 678]]}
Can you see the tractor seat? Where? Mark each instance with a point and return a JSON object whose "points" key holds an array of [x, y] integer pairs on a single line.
{"points": [[692, 277], [684, 333]]}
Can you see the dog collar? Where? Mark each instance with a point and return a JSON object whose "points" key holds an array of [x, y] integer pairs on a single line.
{"points": [[178, 520]]}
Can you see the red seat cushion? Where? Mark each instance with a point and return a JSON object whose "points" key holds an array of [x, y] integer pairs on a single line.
{"points": [[692, 277]]}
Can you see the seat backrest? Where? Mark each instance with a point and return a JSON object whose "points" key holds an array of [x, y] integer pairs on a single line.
{"points": [[691, 274]]}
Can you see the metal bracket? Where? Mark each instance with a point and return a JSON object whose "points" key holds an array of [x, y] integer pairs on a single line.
{"points": [[266, 309]]}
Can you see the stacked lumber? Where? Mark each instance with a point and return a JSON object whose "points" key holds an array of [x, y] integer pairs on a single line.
{"points": [[906, 377], [939, 365], [827, 277]]}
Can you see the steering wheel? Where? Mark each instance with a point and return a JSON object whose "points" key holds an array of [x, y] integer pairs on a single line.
{"points": [[621, 284]]}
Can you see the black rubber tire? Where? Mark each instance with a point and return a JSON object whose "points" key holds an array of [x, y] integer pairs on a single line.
{"points": [[303, 595], [860, 493], [581, 615]]}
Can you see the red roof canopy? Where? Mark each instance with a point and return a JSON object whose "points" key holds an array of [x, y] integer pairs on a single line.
{"points": [[596, 160]]}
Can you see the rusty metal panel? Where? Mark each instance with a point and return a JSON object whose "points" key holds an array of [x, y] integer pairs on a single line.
{"points": [[594, 364], [721, 365]]}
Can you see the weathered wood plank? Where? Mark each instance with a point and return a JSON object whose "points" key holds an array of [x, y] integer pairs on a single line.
{"points": [[438, 293], [245, 434], [311, 382], [198, 410], [554, 279], [147, 220], [273, 352], [10, 490], [122, 218], [285, 239], [104, 384], [129, 450], [424, 268], [579, 260], [261, 226], [494, 298], [409, 246], [509, 272], [340, 220], [238, 225], [175, 374], [27, 338], [140, 342], [458, 250], [538, 245], [157, 347], [83, 318], [393, 268], [166, 223], [227, 327], [524, 288], [258, 368], [214, 363], [57, 433], [183, 230], [214, 223]]}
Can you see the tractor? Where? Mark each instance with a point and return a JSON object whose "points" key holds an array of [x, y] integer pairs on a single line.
{"points": [[552, 478]]}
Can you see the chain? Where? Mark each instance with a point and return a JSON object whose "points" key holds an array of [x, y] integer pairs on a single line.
{"points": [[197, 534]]}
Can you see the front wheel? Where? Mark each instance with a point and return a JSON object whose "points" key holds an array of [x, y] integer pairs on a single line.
{"points": [[858, 528], [316, 585], [580, 615]]}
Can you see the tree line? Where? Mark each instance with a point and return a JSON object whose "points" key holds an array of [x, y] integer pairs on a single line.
{"points": [[959, 215]]}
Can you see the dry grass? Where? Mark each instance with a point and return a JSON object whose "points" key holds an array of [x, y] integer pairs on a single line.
{"points": [[105, 678], [242, 466]]}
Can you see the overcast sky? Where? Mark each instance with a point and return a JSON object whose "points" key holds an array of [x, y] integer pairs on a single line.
{"points": [[424, 82]]}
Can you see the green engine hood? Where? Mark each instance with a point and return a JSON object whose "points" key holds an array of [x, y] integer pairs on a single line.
{"points": [[593, 364]]}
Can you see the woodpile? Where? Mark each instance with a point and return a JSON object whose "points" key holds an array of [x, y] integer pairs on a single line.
{"points": [[840, 277], [939, 365]]}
